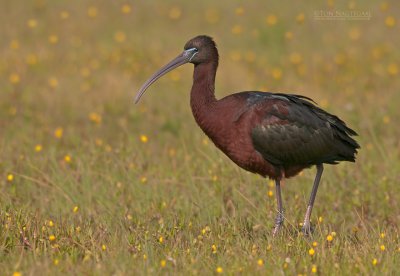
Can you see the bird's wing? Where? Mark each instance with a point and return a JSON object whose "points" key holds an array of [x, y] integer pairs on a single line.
{"points": [[294, 131]]}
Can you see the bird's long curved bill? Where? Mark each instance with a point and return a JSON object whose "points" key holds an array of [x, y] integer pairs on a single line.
{"points": [[176, 62]]}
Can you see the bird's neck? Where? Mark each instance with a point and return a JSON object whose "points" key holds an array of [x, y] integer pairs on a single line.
{"points": [[202, 96]]}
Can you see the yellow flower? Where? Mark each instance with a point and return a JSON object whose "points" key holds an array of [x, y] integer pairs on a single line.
{"points": [[237, 29], [163, 263], [144, 139], [119, 36], [386, 120], [67, 158], [92, 11], [53, 39], [64, 15], [85, 72], [250, 56], [239, 11], [174, 13], [276, 73], [219, 270], [126, 9], [214, 249], [52, 238], [56, 261], [311, 252], [329, 238], [95, 117], [104, 247], [260, 262], [392, 69], [58, 132], [300, 18], [315, 244], [32, 23], [51, 223], [108, 148], [340, 59], [354, 34], [38, 148], [295, 58], [320, 219], [374, 261], [143, 179], [382, 247], [383, 234], [288, 35], [53, 82], [75, 209], [31, 59], [271, 183], [17, 273], [271, 20], [14, 44], [270, 193], [10, 177], [12, 111], [14, 78], [144, 257], [314, 269], [98, 142], [161, 239], [390, 21]]}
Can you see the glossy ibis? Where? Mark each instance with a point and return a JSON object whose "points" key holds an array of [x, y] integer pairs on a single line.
{"points": [[271, 134]]}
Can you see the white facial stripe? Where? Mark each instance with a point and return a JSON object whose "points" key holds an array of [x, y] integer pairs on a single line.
{"points": [[193, 56], [189, 51]]}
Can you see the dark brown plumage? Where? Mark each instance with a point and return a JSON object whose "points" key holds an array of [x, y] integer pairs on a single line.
{"points": [[271, 134]]}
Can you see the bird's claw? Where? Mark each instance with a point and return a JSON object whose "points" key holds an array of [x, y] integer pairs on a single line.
{"points": [[307, 229], [278, 224]]}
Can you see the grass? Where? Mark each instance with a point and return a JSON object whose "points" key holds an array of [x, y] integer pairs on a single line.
{"points": [[92, 184]]}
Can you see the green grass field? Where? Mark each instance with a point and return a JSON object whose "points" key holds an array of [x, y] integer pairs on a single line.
{"points": [[91, 184]]}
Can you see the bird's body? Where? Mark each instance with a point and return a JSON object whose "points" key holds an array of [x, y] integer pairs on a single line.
{"points": [[271, 134], [266, 133]]}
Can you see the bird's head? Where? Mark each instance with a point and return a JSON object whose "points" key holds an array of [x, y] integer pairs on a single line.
{"points": [[206, 49], [198, 50]]}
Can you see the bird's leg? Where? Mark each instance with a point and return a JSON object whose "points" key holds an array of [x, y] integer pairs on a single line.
{"points": [[279, 216], [307, 225]]}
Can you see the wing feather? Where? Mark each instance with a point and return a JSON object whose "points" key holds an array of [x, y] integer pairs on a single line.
{"points": [[294, 131]]}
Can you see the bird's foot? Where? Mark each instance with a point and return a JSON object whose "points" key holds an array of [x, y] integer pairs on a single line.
{"points": [[278, 224], [307, 229]]}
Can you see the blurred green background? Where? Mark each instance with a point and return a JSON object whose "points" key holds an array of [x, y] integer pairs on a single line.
{"points": [[91, 183]]}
